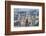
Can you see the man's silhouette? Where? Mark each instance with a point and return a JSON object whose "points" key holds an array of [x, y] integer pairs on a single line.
{"points": [[26, 22]]}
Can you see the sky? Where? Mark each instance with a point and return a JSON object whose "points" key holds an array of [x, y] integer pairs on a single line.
{"points": [[27, 10]]}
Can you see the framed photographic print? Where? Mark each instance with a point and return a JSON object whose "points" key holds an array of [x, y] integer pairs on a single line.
{"points": [[24, 17]]}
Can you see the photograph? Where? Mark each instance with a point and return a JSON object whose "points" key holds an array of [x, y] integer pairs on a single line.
{"points": [[26, 17]]}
